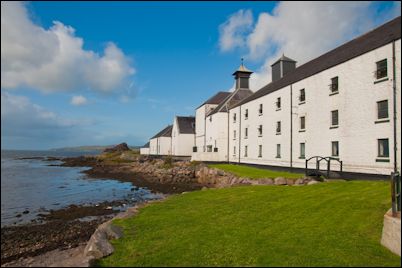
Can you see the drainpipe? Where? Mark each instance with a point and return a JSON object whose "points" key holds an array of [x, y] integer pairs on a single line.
{"points": [[239, 132], [227, 153], [394, 104], [205, 129], [291, 126]]}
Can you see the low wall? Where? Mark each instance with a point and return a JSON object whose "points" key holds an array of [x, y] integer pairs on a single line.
{"points": [[391, 233]]}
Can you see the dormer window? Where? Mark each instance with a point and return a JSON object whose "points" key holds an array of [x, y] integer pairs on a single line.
{"points": [[246, 114], [278, 104], [381, 71], [334, 87], [260, 109], [260, 131], [302, 96]]}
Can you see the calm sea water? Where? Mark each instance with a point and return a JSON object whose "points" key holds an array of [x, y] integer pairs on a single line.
{"points": [[30, 184]]}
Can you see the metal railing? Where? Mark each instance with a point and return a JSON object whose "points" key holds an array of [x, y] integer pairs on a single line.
{"points": [[318, 160], [396, 193]]}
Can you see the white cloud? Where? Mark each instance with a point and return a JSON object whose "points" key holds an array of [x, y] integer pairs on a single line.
{"points": [[306, 30], [78, 100], [232, 31], [54, 59]]}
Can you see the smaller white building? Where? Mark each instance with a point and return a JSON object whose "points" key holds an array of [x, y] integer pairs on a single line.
{"points": [[161, 143], [144, 150], [183, 135]]}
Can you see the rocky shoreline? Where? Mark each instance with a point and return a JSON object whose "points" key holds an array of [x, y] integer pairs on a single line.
{"points": [[64, 229]]}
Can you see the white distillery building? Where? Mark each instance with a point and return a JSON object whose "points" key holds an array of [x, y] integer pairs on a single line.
{"points": [[212, 120], [161, 143], [345, 104], [145, 149], [183, 135]]}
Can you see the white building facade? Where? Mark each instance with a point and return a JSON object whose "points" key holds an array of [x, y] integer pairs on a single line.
{"points": [[345, 104], [161, 143], [183, 135]]}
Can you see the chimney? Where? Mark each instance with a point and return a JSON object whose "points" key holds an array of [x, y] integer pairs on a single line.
{"points": [[281, 67]]}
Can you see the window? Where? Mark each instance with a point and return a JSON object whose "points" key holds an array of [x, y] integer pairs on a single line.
{"points": [[260, 131], [334, 84], [334, 118], [194, 149], [234, 150], [302, 150], [209, 148], [245, 151], [335, 148], [278, 127], [246, 114], [278, 151], [234, 118], [215, 149], [210, 118], [383, 148], [382, 109], [302, 96], [381, 71], [302, 123], [234, 134], [259, 150], [246, 133], [260, 109], [278, 103]]}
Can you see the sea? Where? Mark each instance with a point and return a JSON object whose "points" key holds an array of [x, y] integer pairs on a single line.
{"points": [[34, 187]]}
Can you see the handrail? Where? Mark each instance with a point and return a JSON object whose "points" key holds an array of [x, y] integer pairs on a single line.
{"points": [[318, 161]]}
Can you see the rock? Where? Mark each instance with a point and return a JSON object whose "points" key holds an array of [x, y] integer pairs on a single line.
{"points": [[118, 148], [25, 212], [220, 173], [299, 182], [290, 181], [98, 245], [280, 181], [312, 182], [266, 181]]}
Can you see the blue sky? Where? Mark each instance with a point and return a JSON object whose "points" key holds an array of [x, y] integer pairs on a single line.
{"points": [[166, 59]]}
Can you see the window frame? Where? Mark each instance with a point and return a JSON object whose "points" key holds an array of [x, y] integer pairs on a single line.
{"points": [[380, 69], [332, 119], [302, 156], [379, 148], [332, 148], [278, 150]]}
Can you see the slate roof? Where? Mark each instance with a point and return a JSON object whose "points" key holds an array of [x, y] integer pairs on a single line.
{"points": [[376, 38], [231, 100], [186, 124], [146, 145], [283, 58], [166, 132], [217, 98]]}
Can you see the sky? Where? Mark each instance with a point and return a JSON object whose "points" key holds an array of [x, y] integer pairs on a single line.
{"points": [[102, 73]]}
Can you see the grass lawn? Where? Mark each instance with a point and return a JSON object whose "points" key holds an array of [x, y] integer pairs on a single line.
{"points": [[328, 224], [255, 173]]}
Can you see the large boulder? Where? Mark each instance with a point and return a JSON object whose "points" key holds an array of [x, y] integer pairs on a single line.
{"points": [[122, 147], [280, 181]]}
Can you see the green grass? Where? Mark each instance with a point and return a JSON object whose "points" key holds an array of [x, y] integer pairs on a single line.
{"points": [[255, 173], [328, 224]]}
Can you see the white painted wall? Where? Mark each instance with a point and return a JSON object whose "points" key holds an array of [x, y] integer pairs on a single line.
{"points": [[160, 146], [144, 151], [356, 102], [182, 144]]}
